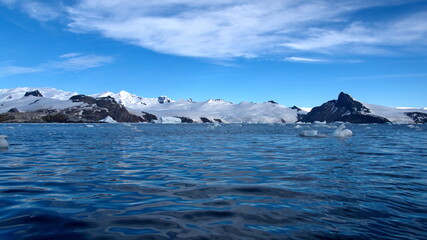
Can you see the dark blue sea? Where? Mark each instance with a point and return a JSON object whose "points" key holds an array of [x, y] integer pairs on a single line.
{"points": [[198, 181]]}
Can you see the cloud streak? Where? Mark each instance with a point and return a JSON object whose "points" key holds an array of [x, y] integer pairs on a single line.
{"points": [[70, 62], [305, 60]]}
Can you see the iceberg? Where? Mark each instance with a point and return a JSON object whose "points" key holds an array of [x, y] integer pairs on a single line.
{"points": [[3, 142], [341, 131], [108, 120]]}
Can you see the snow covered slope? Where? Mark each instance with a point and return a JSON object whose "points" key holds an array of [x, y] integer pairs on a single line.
{"points": [[130, 100], [188, 111], [18, 93], [395, 115], [30, 103], [220, 109], [211, 109]]}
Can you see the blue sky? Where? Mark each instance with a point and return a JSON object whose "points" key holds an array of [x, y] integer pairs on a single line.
{"points": [[294, 52]]}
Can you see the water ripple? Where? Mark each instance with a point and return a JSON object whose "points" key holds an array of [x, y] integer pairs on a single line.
{"points": [[143, 181]]}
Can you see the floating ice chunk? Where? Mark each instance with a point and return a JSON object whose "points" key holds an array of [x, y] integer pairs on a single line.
{"points": [[3, 142], [308, 133], [311, 133], [214, 125], [411, 126], [341, 131], [298, 126], [90, 125], [169, 120], [108, 120], [319, 122]]}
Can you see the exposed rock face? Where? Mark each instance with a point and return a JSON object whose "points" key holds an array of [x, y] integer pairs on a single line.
{"points": [[205, 120], [100, 108], [163, 99], [83, 98], [35, 93], [273, 102], [94, 110], [345, 109], [296, 108], [13, 110], [185, 119], [417, 117], [148, 117], [218, 120]]}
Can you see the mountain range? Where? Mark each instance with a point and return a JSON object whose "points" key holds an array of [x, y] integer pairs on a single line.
{"points": [[52, 105]]}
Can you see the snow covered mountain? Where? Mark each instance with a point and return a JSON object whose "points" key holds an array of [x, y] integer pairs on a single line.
{"points": [[18, 93], [48, 104]]}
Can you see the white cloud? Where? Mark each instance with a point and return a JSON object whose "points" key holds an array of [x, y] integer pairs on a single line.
{"points": [[70, 55], [39, 10], [306, 60], [81, 62], [227, 29], [16, 70], [72, 62], [236, 28]]}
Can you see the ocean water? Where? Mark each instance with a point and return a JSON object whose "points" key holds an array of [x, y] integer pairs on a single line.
{"points": [[197, 181]]}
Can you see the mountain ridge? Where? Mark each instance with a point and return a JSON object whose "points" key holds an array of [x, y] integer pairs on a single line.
{"points": [[53, 105]]}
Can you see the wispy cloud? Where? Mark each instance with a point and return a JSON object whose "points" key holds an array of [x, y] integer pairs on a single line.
{"points": [[79, 62], [227, 29], [16, 70], [306, 60], [40, 10], [72, 62]]}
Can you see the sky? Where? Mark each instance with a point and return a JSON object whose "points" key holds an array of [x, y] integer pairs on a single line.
{"points": [[294, 52]]}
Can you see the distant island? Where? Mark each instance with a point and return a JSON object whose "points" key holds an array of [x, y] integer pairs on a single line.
{"points": [[49, 105]]}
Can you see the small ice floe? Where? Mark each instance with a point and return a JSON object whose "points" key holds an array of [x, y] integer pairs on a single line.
{"points": [[3, 142], [341, 131], [411, 126], [214, 125], [108, 120], [311, 133], [298, 126], [319, 122], [90, 125]]}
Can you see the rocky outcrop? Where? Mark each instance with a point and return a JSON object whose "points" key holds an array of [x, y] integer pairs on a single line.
{"points": [[296, 108], [163, 99], [344, 109], [100, 108], [93, 110], [148, 117], [417, 117], [218, 120], [35, 93], [205, 120], [185, 119]]}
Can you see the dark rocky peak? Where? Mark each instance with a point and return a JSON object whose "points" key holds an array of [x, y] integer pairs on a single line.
{"points": [[13, 110], [185, 119], [205, 120], [296, 108], [35, 93], [417, 117], [347, 102], [273, 102], [83, 98], [345, 109], [163, 99]]}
